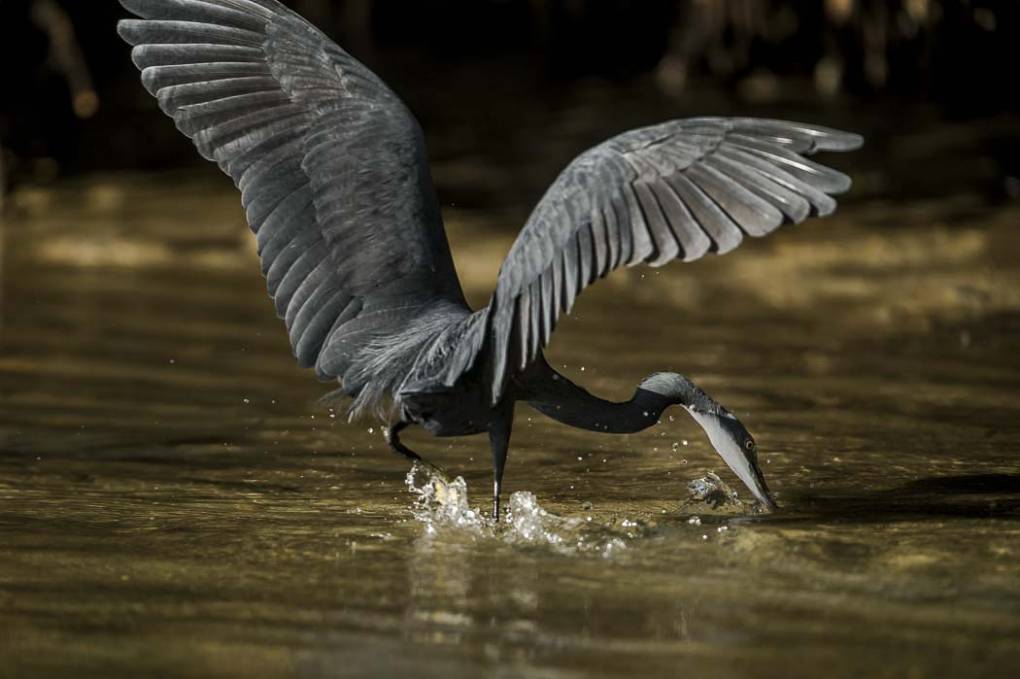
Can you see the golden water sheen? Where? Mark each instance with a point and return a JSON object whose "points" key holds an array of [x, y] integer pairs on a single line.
{"points": [[174, 501]]}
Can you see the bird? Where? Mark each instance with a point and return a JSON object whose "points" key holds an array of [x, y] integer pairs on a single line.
{"points": [[335, 184]]}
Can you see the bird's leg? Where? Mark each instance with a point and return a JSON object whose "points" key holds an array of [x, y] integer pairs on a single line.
{"points": [[499, 439], [393, 439]]}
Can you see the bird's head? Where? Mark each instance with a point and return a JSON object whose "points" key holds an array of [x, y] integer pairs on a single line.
{"points": [[737, 448], [727, 434]]}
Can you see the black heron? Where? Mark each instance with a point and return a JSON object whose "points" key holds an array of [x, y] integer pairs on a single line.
{"points": [[335, 184]]}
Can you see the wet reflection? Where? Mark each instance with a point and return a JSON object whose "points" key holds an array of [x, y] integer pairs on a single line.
{"points": [[439, 586]]}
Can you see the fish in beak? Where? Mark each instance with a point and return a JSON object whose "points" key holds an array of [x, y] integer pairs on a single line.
{"points": [[737, 448]]}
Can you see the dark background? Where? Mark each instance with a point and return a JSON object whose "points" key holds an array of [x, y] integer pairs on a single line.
{"points": [[494, 79]]}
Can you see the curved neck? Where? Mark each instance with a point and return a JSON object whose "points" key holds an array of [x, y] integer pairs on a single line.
{"points": [[557, 397]]}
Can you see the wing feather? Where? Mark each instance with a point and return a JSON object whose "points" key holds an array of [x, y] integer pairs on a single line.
{"points": [[756, 217], [795, 208], [145, 56], [666, 245], [821, 203], [693, 241], [725, 235], [330, 164], [673, 191]]}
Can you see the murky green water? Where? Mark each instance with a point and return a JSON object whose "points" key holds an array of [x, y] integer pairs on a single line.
{"points": [[174, 502]]}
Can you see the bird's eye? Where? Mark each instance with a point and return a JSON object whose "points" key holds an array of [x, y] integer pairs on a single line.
{"points": [[749, 444]]}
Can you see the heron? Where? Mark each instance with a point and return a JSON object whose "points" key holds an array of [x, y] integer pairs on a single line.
{"points": [[335, 184]]}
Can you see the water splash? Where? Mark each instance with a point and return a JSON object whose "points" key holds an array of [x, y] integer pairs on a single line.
{"points": [[443, 507], [713, 491], [529, 524], [439, 502]]}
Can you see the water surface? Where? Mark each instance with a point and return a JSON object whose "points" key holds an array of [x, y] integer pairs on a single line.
{"points": [[174, 501]]}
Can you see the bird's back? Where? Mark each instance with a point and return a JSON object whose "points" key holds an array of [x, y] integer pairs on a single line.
{"points": [[398, 350]]}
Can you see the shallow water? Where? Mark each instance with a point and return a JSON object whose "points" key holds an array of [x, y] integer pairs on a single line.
{"points": [[174, 501]]}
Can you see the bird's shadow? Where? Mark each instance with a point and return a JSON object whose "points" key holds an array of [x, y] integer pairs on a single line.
{"points": [[973, 496]]}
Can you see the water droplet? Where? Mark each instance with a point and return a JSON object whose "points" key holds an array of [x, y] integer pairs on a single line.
{"points": [[246, 401], [371, 430]]}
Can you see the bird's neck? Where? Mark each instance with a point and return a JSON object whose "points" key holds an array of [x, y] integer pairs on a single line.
{"points": [[562, 400]]}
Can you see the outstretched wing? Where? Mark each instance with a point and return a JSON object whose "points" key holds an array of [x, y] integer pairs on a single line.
{"points": [[673, 191], [330, 164]]}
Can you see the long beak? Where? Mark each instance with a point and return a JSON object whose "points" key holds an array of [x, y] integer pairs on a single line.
{"points": [[722, 430]]}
